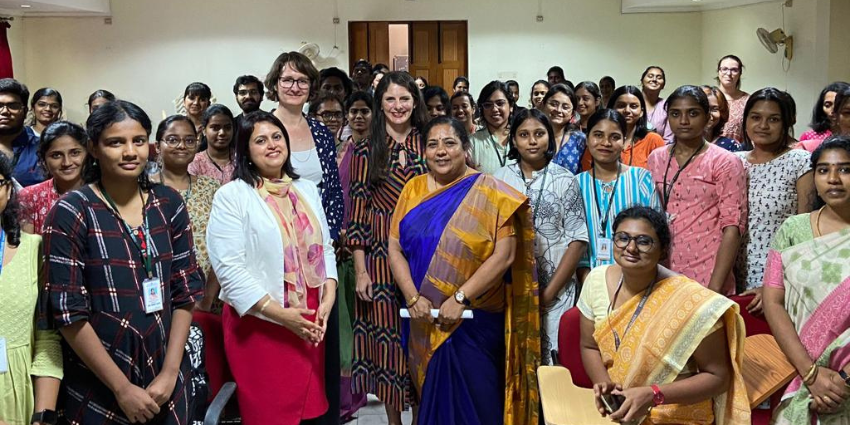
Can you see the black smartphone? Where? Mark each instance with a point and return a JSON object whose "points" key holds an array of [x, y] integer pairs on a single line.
{"points": [[612, 402]]}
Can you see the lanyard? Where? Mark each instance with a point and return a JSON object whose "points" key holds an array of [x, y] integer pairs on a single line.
{"points": [[502, 159], [188, 191], [634, 316], [604, 218], [539, 193], [2, 248], [141, 238], [668, 192]]}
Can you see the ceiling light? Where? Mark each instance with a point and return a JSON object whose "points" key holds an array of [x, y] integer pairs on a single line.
{"points": [[26, 6]]}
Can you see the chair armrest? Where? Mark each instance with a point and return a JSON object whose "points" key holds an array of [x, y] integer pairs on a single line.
{"points": [[219, 402]]}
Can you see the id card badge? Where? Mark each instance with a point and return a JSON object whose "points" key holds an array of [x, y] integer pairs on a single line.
{"points": [[4, 359], [604, 249], [152, 295]]}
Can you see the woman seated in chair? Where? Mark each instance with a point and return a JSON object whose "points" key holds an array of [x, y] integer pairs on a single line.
{"points": [[669, 350], [455, 236], [806, 286]]}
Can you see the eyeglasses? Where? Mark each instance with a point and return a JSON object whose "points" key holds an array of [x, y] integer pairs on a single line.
{"points": [[644, 243], [5, 182], [554, 104], [174, 141], [362, 112], [54, 106], [331, 116], [252, 92], [725, 70], [12, 106], [287, 83], [496, 104]]}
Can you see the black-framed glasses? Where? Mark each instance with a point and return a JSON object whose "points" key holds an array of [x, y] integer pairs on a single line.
{"points": [[332, 116], [174, 141], [12, 106], [5, 182], [287, 83], [644, 243], [497, 104]]}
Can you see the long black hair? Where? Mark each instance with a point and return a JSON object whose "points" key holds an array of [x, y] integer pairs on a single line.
{"points": [[45, 92], [770, 94], [9, 218], [209, 113], [379, 153], [104, 117], [820, 121], [641, 127], [834, 142], [534, 114], [245, 169]]}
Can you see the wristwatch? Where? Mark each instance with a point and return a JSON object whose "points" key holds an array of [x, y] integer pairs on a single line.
{"points": [[45, 417], [460, 297], [845, 377], [657, 395]]}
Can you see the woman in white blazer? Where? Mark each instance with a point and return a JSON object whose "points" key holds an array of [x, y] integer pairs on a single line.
{"points": [[269, 244]]}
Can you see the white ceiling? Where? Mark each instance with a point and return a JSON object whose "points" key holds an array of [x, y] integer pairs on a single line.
{"points": [[55, 8], [641, 6]]}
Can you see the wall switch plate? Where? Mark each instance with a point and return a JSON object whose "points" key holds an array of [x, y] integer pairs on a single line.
{"points": [[336, 20], [539, 18]]}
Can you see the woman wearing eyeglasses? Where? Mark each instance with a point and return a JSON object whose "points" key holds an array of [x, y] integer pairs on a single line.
{"points": [[729, 70], [217, 160], [328, 110], [490, 144], [177, 143], [668, 348], [559, 105], [291, 82]]}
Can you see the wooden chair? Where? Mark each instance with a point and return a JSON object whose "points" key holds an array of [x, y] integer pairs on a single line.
{"points": [[563, 402], [765, 370]]}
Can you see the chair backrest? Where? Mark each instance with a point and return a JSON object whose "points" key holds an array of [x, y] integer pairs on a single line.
{"points": [[563, 402], [756, 325], [569, 347]]}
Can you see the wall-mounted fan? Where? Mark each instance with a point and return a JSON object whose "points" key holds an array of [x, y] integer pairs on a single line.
{"points": [[771, 41], [311, 50]]}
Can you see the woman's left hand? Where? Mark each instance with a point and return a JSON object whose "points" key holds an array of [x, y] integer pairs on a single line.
{"points": [[450, 312], [162, 387], [636, 405]]}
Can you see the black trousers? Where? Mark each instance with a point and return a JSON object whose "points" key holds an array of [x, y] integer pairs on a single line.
{"points": [[332, 377]]}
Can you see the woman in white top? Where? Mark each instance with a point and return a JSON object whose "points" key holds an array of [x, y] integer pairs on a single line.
{"points": [[270, 246], [557, 213], [490, 143]]}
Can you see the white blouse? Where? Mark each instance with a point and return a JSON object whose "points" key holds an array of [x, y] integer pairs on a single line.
{"points": [[246, 248]]}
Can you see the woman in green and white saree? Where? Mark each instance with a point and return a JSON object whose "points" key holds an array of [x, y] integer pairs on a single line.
{"points": [[806, 292]]}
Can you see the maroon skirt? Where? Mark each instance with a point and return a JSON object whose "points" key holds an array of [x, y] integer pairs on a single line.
{"points": [[280, 378]]}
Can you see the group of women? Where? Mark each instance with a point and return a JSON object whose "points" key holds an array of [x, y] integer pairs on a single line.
{"points": [[427, 255]]}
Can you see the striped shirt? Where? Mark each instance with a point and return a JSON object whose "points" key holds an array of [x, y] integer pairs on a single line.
{"points": [[634, 187]]}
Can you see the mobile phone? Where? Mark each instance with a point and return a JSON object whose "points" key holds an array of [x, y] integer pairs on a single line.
{"points": [[612, 402]]}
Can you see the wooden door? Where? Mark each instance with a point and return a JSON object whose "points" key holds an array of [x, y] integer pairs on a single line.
{"points": [[370, 41], [452, 54], [379, 43], [423, 51]]}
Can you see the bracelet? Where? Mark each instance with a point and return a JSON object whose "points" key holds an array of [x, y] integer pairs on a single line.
{"points": [[412, 301], [811, 375], [265, 304]]}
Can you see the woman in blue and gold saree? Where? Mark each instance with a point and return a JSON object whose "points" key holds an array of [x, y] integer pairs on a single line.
{"points": [[462, 241]]}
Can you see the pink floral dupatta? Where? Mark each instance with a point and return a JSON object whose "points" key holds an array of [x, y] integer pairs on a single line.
{"points": [[816, 276], [303, 244]]}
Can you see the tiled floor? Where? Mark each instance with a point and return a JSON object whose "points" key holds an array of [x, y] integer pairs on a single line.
{"points": [[374, 414]]}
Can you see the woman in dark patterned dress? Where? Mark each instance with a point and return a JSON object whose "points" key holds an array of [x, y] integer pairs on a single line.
{"points": [[380, 167], [121, 282]]}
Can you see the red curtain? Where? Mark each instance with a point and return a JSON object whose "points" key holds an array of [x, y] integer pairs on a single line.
{"points": [[5, 53]]}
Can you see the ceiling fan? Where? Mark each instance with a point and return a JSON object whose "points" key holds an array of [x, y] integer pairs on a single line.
{"points": [[771, 40]]}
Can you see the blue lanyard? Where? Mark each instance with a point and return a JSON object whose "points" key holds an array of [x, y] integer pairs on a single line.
{"points": [[2, 248]]}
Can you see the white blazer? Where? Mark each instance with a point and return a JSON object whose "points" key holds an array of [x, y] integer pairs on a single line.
{"points": [[246, 248]]}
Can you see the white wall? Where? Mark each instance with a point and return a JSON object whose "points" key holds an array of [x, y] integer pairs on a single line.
{"points": [[154, 48], [734, 31]]}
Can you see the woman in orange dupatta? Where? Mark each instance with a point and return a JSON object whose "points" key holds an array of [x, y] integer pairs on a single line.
{"points": [[462, 240], [669, 349]]}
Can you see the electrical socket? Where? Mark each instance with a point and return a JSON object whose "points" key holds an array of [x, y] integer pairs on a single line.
{"points": [[539, 18], [336, 21], [107, 21]]}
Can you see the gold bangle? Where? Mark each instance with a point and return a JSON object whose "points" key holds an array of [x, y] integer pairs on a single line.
{"points": [[412, 301], [811, 375], [265, 304]]}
